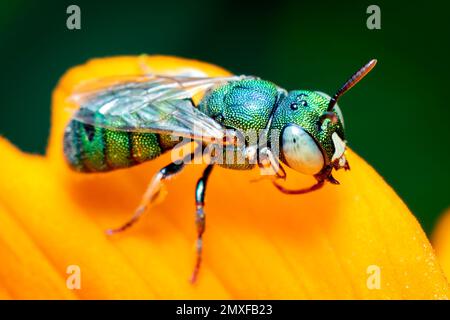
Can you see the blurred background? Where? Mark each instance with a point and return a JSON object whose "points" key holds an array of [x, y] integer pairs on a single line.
{"points": [[397, 118]]}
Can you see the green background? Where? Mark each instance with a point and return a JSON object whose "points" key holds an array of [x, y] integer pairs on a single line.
{"points": [[397, 118]]}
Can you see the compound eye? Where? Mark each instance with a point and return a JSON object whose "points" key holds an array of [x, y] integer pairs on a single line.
{"points": [[301, 151]]}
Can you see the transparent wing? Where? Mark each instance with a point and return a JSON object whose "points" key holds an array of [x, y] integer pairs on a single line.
{"points": [[152, 103]]}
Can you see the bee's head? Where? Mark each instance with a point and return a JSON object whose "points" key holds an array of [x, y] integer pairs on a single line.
{"points": [[311, 128], [310, 136]]}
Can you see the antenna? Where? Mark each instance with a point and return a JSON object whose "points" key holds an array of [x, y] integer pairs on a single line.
{"points": [[355, 78]]}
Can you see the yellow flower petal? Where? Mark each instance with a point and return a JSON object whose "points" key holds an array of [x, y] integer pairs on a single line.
{"points": [[259, 243], [25, 265]]}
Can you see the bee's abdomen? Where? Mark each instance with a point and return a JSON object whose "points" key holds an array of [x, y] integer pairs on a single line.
{"points": [[89, 148]]}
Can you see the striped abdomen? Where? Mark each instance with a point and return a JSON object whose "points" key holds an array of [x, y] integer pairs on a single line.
{"points": [[93, 149]]}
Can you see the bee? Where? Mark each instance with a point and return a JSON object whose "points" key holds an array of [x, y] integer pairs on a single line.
{"points": [[122, 122]]}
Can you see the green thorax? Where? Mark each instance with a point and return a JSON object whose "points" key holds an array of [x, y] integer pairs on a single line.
{"points": [[243, 105], [246, 106]]}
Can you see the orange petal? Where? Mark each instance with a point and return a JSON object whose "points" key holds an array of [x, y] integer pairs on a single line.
{"points": [[259, 243], [441, 242], [25, 265]]}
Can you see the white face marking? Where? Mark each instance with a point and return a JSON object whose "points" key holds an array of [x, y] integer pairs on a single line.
{"points": [[300, 150], [339, 146]]}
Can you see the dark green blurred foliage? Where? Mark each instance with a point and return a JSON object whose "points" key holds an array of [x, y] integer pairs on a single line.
{"points": [[397, 118]]}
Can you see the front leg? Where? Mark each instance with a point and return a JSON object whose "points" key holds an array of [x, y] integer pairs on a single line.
{"points": [[314, 187], [200, 191], [271, 166], [321, 177], [268, 165]]}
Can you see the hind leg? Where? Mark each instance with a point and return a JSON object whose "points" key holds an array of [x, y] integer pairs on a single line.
{"points": [[200, 217], [151, 194]]}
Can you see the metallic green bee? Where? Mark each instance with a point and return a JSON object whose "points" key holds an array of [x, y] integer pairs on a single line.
{"points": [[122, 122]]}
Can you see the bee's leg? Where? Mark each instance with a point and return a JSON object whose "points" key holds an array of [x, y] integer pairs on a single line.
{"points": [[314, 187], [321, 177], [200, 217], [270, 167], [151, 193]]}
